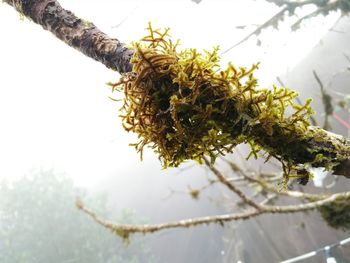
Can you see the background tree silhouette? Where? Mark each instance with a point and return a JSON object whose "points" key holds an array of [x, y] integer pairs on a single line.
{"points": [[40, 223]]}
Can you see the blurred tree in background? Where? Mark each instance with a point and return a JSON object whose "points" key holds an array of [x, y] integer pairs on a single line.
{"points": [[39, 223]]}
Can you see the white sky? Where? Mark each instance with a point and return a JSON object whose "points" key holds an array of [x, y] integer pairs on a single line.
{"points": [[54, 110]]}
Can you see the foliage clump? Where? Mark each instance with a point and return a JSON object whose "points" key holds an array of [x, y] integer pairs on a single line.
{"points": [[337, 213], [185, 106]]}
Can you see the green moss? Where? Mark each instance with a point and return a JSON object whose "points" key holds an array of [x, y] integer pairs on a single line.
{"points": [[337, 213], [184, 105]]}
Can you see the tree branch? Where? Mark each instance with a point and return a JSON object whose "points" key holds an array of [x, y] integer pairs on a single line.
{"points": [[124, 230], [327, 102], [289, 6], [88, 39], [320, 148], [267, 187], [230, 186], [76, 32], [273, 20]]}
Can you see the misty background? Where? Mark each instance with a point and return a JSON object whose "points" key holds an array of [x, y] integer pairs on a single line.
{"points": [[61, 137]]}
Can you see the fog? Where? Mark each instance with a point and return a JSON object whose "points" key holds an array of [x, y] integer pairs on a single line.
{"points": [[57, 122]]}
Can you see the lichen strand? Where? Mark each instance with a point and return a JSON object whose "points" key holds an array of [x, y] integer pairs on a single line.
{"points": [[184, 106]]}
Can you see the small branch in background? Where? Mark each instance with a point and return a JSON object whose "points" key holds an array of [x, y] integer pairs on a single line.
{"points": [[321, 10], [256, 178], [250, 207], [271, 21], [289, 7], [230, 186], [194, 193], [327, 102], [347, 57], [125, 230]]}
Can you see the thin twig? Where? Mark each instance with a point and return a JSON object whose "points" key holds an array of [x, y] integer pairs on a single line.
{"points": [[258, 30], [272, 189], [290, 6], [347, 57], [124, 230], [327, 102], [318, 11], [232, 187]]}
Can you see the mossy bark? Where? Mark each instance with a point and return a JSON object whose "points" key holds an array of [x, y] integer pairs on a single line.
{"points": [[316, 147]]}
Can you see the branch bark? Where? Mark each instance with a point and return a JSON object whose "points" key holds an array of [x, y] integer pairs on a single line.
{"points": [[76, 32], [333, 149], [88, 39]]}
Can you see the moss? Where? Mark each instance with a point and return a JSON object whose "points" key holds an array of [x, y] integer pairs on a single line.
{"points": [[123, 234], [195, 193], [185, 106], [337, 213]]}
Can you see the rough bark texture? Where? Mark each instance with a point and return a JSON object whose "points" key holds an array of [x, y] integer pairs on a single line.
{"points": [[76, 32], [317, 147], [88, 39]]}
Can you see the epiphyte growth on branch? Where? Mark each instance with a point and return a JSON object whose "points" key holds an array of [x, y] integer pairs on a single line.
{"points": [[337, 213], [185, 106]]}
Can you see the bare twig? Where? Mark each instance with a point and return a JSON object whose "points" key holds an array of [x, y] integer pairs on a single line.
{"points": [[232, 187], [290, 7], [320, 10], [124, 230], [272, 189], [347, 57], [258, 30], [327, 102], [312, 202]]}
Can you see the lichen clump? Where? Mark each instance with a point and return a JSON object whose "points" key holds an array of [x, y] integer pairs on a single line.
{"points": [[184, 105]]}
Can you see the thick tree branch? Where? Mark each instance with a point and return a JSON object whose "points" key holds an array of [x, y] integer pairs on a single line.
{"points": [[76, 32], [321, 148]]}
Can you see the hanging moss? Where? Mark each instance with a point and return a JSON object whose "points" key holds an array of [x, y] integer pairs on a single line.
{"points": [[337, 213], [184, 105]]}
